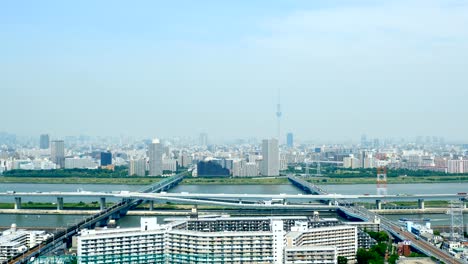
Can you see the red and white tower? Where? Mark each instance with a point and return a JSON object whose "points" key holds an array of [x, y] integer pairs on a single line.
{"points": [[381, 181]]}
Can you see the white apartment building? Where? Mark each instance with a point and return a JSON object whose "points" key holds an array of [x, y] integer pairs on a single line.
{"points": [[221, 240], [126, 245], [351, 162], [369, 163], [344, 238], [137, 167], [169, 165], [14, 241], [457, 166], [155, 154], [283, 163], [251, 169], [241, 168], [270, 154], [185, 246], [319, 254]]}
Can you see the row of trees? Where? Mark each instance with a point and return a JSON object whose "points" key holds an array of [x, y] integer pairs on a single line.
{"points": [[119, 172], [336, 172]]}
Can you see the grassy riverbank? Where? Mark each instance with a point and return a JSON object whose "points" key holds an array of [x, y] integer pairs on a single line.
{"points": [[77, 180], [96, 206], [233, 181], [395, 180], [36, 205], [427, 204], [323, 180], [145, 180]]}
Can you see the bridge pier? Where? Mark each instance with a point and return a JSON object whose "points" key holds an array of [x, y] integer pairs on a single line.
{"points": [[151, 205], [378, 204], [17, 203], [59, 203], [421, 203], [103, 222], [102, 203], [123, 212], [116, 216]]}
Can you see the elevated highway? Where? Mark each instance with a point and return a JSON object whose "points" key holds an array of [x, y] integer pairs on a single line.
{"points": [[303, 197]]}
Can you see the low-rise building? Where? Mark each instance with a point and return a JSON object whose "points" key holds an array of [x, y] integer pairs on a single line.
{"points": [[344, 238], [15, 241], [80, 163], [323, 255], [169, 165]]}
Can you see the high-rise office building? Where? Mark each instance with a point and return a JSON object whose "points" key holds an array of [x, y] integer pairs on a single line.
{"points": [[270, 152], [290, 140], [106, 158], [44, 141], [155, 158], [57, 153]]}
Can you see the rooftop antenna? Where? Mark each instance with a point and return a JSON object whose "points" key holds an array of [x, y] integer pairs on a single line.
{"points": [[278, 116]]}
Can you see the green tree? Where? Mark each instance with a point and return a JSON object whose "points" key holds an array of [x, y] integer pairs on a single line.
{"points": [[368, 257], [379, 236], [342, 260], [393, 258], [380, 249], [415, 255]]}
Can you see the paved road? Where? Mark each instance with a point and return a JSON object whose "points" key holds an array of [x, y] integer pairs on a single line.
{"points": [[390, 226]]}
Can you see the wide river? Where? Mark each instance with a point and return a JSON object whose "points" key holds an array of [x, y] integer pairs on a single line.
{"points": [[64, 220]]}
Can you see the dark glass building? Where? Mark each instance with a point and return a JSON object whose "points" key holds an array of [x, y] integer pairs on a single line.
{"points": [[211, 168], [106, 158], [44, 141], [290, 140]]}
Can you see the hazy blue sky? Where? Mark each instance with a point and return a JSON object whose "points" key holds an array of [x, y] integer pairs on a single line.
{"points": [[163, 68]]}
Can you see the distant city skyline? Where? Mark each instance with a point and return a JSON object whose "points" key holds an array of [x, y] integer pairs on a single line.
{"points": [[196, 139], [181, 68]]}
